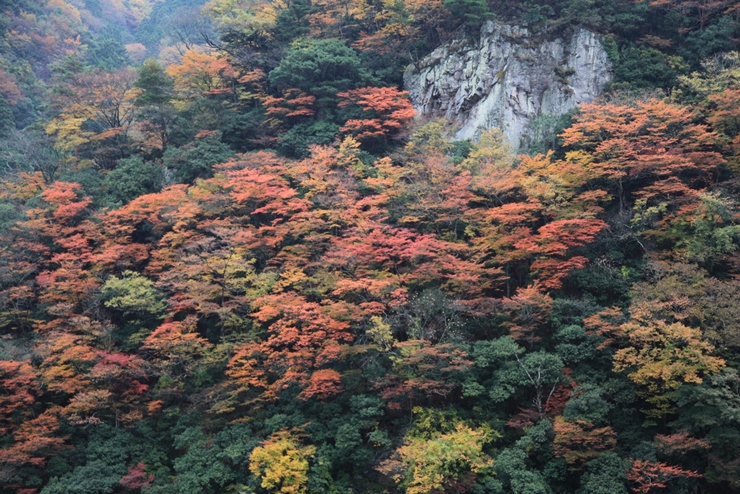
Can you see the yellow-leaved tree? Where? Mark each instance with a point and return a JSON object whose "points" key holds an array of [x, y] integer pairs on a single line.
{"points": [[661, 356], [282, 463], [443, 461]]}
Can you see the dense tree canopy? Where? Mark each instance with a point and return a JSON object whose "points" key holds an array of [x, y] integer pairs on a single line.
{"points": [[232, 260]]}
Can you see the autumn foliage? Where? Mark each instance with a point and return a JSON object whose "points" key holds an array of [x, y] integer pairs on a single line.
{"points": [[316, 292], [389, 108]]}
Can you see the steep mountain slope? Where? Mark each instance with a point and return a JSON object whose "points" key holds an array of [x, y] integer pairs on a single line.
{"points": [[507, 79]]}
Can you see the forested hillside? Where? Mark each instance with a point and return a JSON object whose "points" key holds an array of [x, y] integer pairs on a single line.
{"points": [[233, 259]]}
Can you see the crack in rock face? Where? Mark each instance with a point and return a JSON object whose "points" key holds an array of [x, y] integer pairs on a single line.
{"points": [[507, 79]]}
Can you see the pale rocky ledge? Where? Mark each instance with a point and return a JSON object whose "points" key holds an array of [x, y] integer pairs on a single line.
{"points": [[508, 78]]}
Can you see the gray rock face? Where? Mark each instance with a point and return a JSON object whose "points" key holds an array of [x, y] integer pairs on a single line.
{"points": [[507, 79]]}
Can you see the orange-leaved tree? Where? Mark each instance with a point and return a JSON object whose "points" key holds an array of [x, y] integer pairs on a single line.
{"points": [[653, 147], [388, 111]]}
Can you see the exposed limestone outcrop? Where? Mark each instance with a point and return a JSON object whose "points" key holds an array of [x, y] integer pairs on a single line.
{"points": [[507, 79]]}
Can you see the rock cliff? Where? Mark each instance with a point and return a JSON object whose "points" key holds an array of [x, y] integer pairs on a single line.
{"points": [[508, 78]]}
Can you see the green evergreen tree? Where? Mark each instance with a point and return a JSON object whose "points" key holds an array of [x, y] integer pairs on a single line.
{"points": [[196, 159], [470, 13], [321, 68], [107, 51], [155, 84], [7, 121], [155, 101], [132, 178]]}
